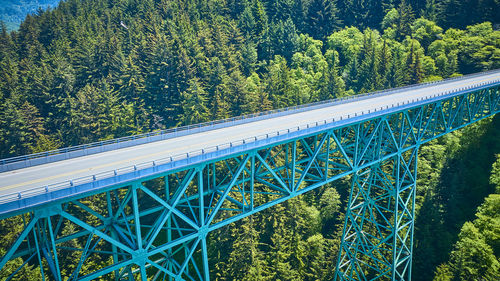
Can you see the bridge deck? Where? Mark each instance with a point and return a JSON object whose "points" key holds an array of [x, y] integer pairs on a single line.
{"points": [[42, 175]]}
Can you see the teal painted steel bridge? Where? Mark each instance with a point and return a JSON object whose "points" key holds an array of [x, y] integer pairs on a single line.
{"points": [[154, 211]]}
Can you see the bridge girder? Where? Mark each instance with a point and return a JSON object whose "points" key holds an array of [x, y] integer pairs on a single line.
{"points": [[156, 228]]}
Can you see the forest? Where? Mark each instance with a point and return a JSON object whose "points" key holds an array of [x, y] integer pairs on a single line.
{"points": [[13, 12], [93, 70]]}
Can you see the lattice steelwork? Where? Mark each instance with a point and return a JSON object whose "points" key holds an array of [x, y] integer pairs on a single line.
{"points": [[156, 228]]}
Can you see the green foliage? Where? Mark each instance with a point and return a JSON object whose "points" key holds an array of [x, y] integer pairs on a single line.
{"points": [[363, 13], [472, 258], [495, 174], [289, 232], [66, 62], [322, 18], [193, 104], [461, 13], [10, 229], [110, 116], [13, 12], [404, 20], [453, 181], [426, 31], [94, 70], [475, 254]]}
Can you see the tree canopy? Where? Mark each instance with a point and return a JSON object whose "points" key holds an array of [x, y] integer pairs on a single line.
{"points": [[95, 70]]}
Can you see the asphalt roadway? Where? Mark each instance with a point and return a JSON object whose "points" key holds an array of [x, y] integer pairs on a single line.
{"points": [[51, 173]]}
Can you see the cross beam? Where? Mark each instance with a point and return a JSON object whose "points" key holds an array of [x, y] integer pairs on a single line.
{"points": [[156, 228]]}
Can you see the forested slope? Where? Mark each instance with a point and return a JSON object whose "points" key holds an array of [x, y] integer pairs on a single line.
{"points": [[94, 70], [13, 12], [475, 254]]}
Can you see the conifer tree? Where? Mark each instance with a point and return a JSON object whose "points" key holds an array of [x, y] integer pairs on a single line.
{"points": [[261, 18], [91, 70], [332, 85], [277, 81], [193, 104], [368, 73], [299, 14], [417, 6], [247, 22], [246, 260], [284, 39], [417, 73], [258, 98], [237, 93], [405, 20], [279, 10], [322, 18], [385, 65]]}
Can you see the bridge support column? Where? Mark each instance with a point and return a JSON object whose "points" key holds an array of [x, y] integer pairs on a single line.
{"points": [[377, 240]]}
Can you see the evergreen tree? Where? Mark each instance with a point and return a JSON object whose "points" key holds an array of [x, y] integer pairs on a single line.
{"points": [[432, 10], [246, 259], [258, 98], [368, 74], [237, 93], [332, 85], [397, 74], [7, 46], [352, 75], [249, 58], [88, 109], [236, 7], [194, 104], [277, 81], [414, 66], [284, 39], [299, 14], [279, 10], [247, 22], [21, 128], [459, 14], [364, 13], [92, 70], [261, 18], [218, 103], [9, 79], [322, 18], [418, 6], [405, 20], [384, 65]]}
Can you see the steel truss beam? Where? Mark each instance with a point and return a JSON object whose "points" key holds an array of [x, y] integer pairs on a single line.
{"points": [[156, 228], [377, 238]]}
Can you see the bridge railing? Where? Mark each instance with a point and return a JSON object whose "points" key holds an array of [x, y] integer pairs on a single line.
{"points": [[24, 161], [172, 159]]}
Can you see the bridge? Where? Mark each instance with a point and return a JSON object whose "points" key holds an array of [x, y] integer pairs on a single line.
{"points": [[159, 195]]}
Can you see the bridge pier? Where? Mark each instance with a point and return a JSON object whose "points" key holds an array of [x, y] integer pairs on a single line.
{"points": [[155, 227], [377, 238]]}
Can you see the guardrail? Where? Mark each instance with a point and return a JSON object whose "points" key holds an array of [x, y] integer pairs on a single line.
{"points": [[24, 161], [172, 159]]}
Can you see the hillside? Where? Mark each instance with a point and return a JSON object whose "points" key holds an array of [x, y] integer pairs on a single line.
{"points": [[95, 70], [13, 12]]}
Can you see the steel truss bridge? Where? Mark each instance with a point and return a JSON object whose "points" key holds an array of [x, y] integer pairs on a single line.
{"points": [[150, 219]]}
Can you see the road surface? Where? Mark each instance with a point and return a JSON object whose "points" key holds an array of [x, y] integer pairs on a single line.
{"points": [[51, 173]]}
